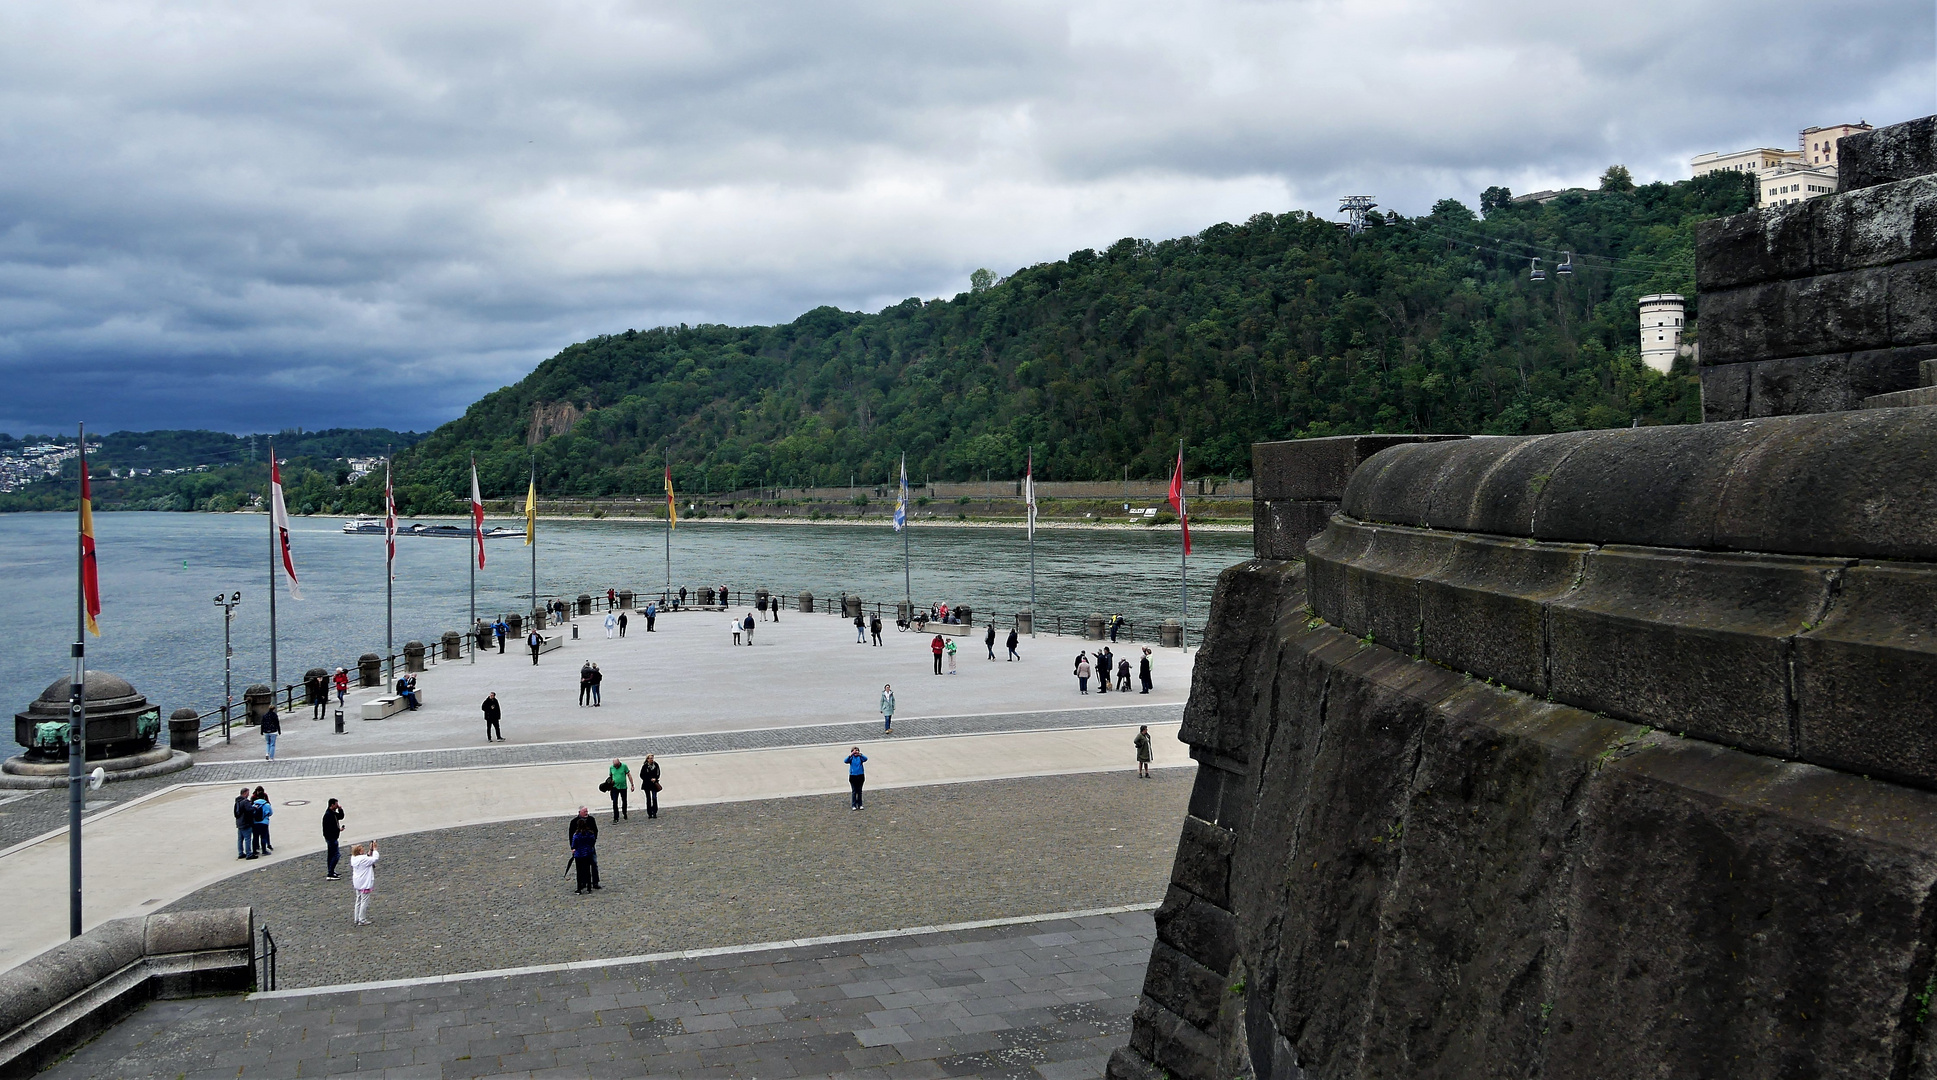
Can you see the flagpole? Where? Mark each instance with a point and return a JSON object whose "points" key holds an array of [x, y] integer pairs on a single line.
{"points": [[907, 578], [274, 553], [77, 708], [1029, 513], [470, 558], [531, 527], [389, 568], [1183, 549]]}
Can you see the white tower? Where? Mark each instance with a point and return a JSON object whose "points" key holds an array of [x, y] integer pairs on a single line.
{"points": [[1660, 330]]}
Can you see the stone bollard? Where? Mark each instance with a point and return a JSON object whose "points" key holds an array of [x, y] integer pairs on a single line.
{"points": [[517, 625], [184, 730], [1093, 628], [453, 644], [320, 679], [259, 698], [584, 603], [538, 619], [1025, 623], [369, 670], [706, 596], [806, 603], [1171, 634], [484, 635], [625, 599], [413, 656], [903, 611], [964, 613], [760, 598], [850, 608]]}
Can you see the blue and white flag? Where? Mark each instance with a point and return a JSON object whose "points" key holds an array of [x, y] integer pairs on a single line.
{"points": [[901, 503]]}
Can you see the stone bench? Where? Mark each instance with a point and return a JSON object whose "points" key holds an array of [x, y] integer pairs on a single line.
{"points": [[950, 629], [377, 708], [546, 642]]}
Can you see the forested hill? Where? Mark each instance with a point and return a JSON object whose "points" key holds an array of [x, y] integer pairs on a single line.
{"points": [[1283, 326]]}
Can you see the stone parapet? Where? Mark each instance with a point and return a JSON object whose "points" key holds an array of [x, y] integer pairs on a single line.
{"points": [[1297, 485], [1896, 152]]}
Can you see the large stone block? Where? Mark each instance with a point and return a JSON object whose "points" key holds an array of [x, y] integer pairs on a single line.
{"points": [[1183, 1051], [1317, 469], [198, 931], [1184, 986], [1725, 392], [1913, 303], [1695, 643], [1203, 864], [1866, 676], [1217, 721], [1197, 928], [1379, 584], [1484, 612], [1773, 244], [1280, 527], [1743, 323], [1877, 226], [1896, 152]]}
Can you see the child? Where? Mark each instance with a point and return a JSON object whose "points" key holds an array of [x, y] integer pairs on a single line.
{"points": [[363, 879]]}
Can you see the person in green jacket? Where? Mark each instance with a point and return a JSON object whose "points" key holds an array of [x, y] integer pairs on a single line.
{"points": [[1143, 751], [619, 780]]}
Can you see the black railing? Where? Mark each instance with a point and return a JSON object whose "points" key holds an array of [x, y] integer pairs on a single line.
{"points": [[266, 962]]}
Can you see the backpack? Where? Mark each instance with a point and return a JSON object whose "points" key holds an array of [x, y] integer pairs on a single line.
{"points": [[264, 811]]}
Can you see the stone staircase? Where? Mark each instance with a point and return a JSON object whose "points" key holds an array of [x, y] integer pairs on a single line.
{"points": [[1925, 392]]}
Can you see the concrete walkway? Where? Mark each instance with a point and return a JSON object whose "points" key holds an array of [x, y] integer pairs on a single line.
{"points": [[146, 853]]}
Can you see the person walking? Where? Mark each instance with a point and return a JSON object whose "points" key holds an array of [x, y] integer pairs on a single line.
{"points": [[316, 688], [989, 640], [1082, 673], [649, 785], [1116, 624], [1103, 670], [503, 630], [856, 776], [874, 628], [652, 615], [332, 828], [1123, 675], [583, 835], [264, 810], [1143, 670], [598, 680], [760, 604], [536, 641], [949, 650], [888, 709], [611, 600], [342, 685], [363, 881], [492, 712], [860, 630], [271, 725], [734, 625], [611, 626], [747, 625], [585, 683], [1142, 744], [682, 596], [618, 783], [773, 608], [245, 825], [1014, 638], [935, 647], [621, 624]]}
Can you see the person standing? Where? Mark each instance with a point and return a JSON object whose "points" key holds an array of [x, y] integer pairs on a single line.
{"points": [[682, 596], [332, 828], [611, 626], [245, 825], [342, 685], [773, 608], [1116, 624], [652, 615], [860, 630], [598, 680], [618, 781], [611, 600], [583, 835], [1123, 675], [492, 712], [649, 785], [949, 649], [989, 640], [621, 624], [317, 689], [935, 647], [585, 683], [888, 709], [503, 630], [747, 625], [856, 776], [1103, 670], [271, 725], [1143, 670], [363, 881], [1014, 638], [264, 810], [1082, 673], [734, 625], [1142, 744], [874, 628], [536, 641]]}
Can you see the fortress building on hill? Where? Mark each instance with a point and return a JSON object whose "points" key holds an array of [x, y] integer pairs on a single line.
{"points": [[1786, 176]]}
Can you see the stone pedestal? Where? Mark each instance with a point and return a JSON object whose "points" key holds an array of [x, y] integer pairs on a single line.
{"points": [[185, 729], [1171, 634], [706, 597], [1093, 628], [584, 603], [850, 607], [1025, 623], [259, 698], [760, 597], [122, 728], [369, 670], [904, 611], [538, 619], [413, 656], [625, 599], [963, 612], [453, 642], [806, 603], [516, 623]]}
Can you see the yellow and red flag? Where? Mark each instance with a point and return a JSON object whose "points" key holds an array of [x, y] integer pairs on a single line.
{"points": [[672, 515], [90, 577]]}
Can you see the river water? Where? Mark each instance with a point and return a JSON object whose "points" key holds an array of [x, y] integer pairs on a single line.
{"points": [[159, 573]]}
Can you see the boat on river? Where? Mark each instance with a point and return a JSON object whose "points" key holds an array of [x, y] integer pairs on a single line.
{"points": [[364, 525], [375, 525]]}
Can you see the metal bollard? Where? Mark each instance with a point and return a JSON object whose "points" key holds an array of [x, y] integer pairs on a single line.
{"points": [[574, 631], [339, 721]]}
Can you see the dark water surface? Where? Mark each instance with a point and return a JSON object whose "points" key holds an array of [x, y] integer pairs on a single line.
{"points": [[159, 573]]}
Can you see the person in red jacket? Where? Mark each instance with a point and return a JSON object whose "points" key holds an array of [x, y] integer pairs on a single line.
{"points": [[936, 646]]}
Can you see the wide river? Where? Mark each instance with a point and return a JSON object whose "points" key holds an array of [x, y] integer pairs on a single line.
{"points": [[159, 573]]}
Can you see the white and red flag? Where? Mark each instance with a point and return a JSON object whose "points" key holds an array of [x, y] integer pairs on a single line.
{"points": [[279, 520], [477, 514], [1029, 491], [1177, 497], [389, 524]]}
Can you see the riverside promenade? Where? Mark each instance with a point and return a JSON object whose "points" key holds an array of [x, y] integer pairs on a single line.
{"points": [[744, 724]]}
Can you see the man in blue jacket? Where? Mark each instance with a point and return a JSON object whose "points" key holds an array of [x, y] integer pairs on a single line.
{"points": [[856, 776]]}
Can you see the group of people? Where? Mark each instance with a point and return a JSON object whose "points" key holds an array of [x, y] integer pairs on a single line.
{"points": [[317, 687], [1108, 670], [589, 678], [742, 627], [582, 832]]}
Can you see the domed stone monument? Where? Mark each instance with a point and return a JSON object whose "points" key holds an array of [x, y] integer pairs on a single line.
{"points": [[122, 728]]}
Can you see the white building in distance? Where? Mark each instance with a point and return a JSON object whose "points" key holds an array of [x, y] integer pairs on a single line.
{"points": [[1661, 317], [1785, 176]]}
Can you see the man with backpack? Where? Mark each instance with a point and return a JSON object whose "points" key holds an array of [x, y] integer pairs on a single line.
{"points": [[583, 834], [245, 826]]}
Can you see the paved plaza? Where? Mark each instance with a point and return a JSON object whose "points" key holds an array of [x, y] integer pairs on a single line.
{"points": [[1045, 999]]}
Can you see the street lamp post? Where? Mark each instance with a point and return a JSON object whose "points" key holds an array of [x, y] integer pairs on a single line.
{"points": [[227, 604]]}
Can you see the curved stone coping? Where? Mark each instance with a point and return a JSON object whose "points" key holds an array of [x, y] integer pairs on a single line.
{"points": [[168, 761], [1831, 661], [1856, 484], [20, 766], [74, 990]]}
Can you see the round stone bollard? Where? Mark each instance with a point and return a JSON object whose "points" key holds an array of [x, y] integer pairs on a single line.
{"points": [[517, 625], [850, 607], [760, 598], [584, 603], [806, 603], [453, 644], [1171, 634], [538, 619], [259, 698], [1093, 628], [185, 730], [413, 656], [319, 678], [706, 596], [625, 599], [964, 613], [369, 670], [484, 636], [1025, 623], [902, 612]]}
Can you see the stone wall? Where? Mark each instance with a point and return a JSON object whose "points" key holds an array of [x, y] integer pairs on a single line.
{"points": [[1297, 486]]}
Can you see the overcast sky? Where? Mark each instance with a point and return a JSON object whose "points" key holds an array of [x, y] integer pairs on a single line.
{"points": [[250, 216]]}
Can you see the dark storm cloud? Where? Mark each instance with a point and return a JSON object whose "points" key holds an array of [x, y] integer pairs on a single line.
{"points": [[249, 216]]}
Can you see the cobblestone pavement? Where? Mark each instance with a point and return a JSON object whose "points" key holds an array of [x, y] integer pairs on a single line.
{"points": [[1047, 1001], [498, 895], [40, 812]]}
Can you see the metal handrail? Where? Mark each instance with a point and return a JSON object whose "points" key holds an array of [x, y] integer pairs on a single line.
{"points": [[265, 962]]}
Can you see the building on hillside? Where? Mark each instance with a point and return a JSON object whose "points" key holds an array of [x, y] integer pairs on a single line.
{"points": [[1819, 143], [1786, 176], [1760, 160], [1794, 184], [1661, 316]]}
